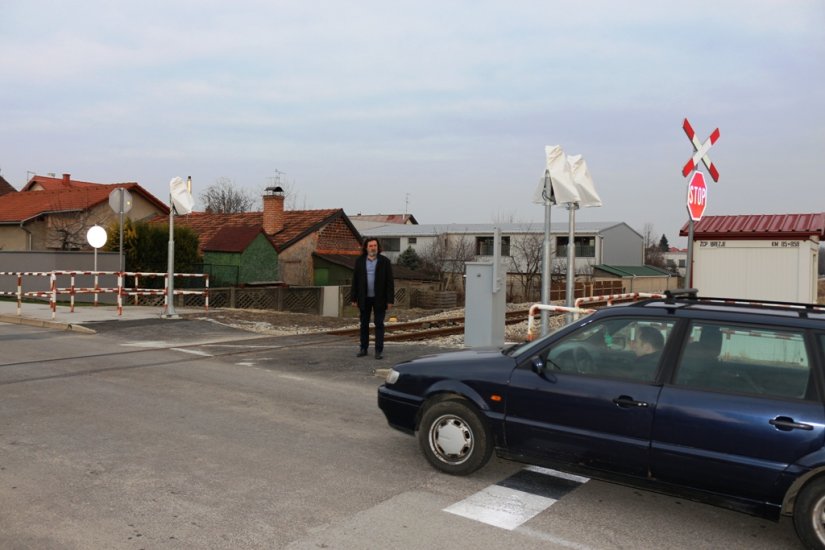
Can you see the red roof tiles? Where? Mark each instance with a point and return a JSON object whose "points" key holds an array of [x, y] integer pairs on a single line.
{"points": [[297, 224], [22, 206]]}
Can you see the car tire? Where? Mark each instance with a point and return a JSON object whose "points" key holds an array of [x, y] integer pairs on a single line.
{"points": [[809, 514], [454, 437]]}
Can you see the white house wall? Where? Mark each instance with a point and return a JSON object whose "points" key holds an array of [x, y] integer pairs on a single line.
{"points": [[758, 270]]}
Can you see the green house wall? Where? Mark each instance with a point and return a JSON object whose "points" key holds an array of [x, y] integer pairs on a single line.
{"points": [[258, 263], [329, 274]]}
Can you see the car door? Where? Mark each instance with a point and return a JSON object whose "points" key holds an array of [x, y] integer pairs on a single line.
{"points": [[591, 402], [746, 412]]}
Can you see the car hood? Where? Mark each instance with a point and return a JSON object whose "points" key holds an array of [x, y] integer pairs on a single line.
{"points": [[470, 359]]}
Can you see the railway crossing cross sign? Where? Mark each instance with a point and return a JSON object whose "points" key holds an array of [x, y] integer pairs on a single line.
{"points": [[701, 151], [697, 196]]}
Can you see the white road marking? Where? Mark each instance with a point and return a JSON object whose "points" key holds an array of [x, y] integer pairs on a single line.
{"points": [[245, 364], [192, 351], [500, 507], [556, 473], [147, 344]]}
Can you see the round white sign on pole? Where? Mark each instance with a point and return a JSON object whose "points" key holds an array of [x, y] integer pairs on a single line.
{"points": [[96, 236]]}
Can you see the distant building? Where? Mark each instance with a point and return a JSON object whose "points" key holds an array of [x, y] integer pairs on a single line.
{"points": [[299, 241], [596, 242], [365, 222], [55, 213], [676, 260], [758, 257]]}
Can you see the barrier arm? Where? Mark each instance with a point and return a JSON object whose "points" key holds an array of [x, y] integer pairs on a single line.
{"points": [[535, 308]]}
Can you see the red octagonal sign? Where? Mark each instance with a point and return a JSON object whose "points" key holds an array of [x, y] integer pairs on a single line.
{"points": [[697, 196]]}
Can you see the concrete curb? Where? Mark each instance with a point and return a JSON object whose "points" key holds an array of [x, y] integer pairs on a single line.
{"points": [[53, 325]]}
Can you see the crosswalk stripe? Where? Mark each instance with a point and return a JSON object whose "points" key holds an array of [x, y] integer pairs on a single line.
{"points": [[518, 498]]}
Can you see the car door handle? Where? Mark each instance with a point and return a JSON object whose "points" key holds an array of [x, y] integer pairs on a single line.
{"points": [[787, 424], [626, 401]]}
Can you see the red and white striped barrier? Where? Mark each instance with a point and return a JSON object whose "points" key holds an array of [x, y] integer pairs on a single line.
{"points": [[535, 308], [119, 290], [609, 299]]}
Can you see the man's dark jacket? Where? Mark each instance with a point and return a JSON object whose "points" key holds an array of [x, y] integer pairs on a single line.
{"points": [[384, 284]]}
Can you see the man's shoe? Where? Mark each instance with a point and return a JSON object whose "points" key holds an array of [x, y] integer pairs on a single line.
{"points": [[362, 353], [379, 355]]}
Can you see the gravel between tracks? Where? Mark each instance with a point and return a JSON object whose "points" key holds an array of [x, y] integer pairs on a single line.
{"points": [[280, 323]]}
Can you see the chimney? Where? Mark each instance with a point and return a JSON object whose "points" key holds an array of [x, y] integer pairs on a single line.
{"points": [[273, 210], [67, 178]]}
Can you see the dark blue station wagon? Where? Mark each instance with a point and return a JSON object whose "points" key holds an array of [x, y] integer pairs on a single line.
{"points": [[715, 400]]}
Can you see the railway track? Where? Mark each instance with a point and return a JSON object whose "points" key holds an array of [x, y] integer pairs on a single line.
{"points": [[423, 330]]}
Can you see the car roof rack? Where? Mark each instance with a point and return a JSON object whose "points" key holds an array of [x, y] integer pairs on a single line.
{"points": [[691, 296]]}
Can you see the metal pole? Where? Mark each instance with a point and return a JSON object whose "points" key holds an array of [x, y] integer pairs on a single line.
{"points": [[571, 258], [120, 192], [170, 287], [689, 270], [546, 261]]}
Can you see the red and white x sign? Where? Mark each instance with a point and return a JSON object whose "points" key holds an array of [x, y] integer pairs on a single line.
{"points": [[701, 152]]}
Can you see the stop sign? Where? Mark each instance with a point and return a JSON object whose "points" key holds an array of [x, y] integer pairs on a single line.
{"points": [[697, 196]]}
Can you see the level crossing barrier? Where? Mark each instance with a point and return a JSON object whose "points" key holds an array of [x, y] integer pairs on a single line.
{"points": [[119, 289]]}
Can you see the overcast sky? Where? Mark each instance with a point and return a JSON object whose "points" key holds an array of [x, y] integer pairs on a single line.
{"points": [[443, 108]]}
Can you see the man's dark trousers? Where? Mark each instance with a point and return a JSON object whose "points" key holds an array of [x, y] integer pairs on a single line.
{"points": [[378, 318]]}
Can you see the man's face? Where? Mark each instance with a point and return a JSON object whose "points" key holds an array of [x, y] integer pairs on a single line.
{"points": [[372, 249]]}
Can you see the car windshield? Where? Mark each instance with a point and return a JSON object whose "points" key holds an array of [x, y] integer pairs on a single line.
{"points": [[518, 350]]}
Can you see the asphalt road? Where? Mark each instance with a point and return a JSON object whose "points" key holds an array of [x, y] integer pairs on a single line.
{"points": [[187, 434]]}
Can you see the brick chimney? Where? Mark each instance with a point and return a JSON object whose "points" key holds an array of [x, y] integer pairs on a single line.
{"points": [[273, 210], [67, 178]]}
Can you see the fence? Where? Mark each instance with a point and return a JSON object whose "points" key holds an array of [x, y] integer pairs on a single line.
{"points": [[119, 290]]}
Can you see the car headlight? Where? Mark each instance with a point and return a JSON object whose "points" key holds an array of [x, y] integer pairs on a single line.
{"points": [[392, 376]]}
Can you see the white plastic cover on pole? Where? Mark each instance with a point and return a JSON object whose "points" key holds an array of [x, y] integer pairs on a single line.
{"points": [[564, 189], [584, 182], [182, 200]]}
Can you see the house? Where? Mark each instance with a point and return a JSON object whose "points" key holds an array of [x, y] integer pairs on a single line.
{"points": [[638, 278], [6, 187], [364, 222], [758, 256], [55, 213], [676, 260], [303, 241], [595, 242], [239, 255]]}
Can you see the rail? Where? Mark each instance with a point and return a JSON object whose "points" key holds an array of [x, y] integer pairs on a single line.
{"points": [[119, 289]]}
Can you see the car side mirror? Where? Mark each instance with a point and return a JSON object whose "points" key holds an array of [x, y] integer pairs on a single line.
{"points": [[537, 364]]}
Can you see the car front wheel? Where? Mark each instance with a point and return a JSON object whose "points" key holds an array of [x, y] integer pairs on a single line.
{"points": [[809, 514], [454, 437]]}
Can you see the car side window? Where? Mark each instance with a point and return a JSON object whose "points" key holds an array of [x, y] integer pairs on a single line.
{"points": [[743, 359], [620, 348]]}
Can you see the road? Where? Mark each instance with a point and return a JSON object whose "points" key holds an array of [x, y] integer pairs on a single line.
{"points": [[186, 434]]}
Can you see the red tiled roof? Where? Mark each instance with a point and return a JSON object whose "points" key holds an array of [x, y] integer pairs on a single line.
{"points": [[763, 226], [297, 224], [232, 238], [55, 184], [18, 207]]}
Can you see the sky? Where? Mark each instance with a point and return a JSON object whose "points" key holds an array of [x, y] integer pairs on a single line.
{"points": [[438, 108]]}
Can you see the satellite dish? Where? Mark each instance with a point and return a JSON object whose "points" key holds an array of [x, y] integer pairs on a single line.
{"points": [[96, 236], [182, 200]]}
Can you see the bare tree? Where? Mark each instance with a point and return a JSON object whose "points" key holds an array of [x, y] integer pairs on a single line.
{"points": [[66, 230], [653, 252], [526, 252], [223, 196], [445, 257]]}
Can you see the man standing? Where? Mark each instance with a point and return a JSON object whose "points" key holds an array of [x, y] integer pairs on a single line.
{"points": [[373, 291]]}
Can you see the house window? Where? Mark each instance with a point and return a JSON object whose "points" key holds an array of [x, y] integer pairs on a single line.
{"points": [[391, 244], [484, 246], [412, 240], [585, 247], [682, 263]]}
